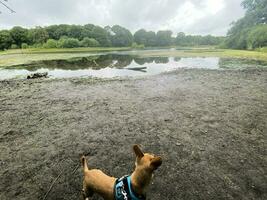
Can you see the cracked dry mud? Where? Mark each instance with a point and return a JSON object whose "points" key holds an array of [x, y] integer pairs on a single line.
{"points": [[209, 126]]}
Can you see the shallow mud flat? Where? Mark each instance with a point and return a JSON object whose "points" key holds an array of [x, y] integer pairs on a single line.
{"points": [[209, 126]]}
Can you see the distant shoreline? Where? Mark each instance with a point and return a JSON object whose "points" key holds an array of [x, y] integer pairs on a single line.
{"points": [[26, 56]]}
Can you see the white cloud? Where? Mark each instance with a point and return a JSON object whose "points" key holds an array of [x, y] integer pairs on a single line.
{"points": [[190, 16]]}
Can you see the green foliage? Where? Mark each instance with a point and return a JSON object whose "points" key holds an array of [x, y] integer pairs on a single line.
{"points": [[98, 33], [24, 46], [5, 40], [37, 35], [244, 32], [38, 45], [138, 46], [89, 35], [164, 38], [19, 35], [256, 9], [197, 40], [69, 43], [57, 31], [89, 42], [50, 44], [257, 37], [121, 37], [14, 46], [146, 38], [61, 41], [263, 49], [75, 31]]}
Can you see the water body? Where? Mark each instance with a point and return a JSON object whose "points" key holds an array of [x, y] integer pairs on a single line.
{"points": [[119, 65]]}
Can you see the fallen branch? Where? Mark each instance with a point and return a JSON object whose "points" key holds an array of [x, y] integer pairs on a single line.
{"points": [[142, 69], [52, 185], [11, 10]]}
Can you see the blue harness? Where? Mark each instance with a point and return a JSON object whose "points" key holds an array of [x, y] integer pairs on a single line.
{"points": [[123, 190]]}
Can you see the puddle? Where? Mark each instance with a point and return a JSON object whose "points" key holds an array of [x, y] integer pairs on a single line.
{"points": [[119, 65]]}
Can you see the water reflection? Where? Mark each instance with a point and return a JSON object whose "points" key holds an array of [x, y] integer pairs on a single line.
{"points": [[92, 62], [113, 65]]}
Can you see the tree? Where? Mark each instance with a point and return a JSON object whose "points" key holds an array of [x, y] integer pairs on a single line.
{"points": [[164, 38], [19, 35], [51, 30], [140, 37], [99, 34], [122, 37], [37, 35], [5, 40], [256, 9], [180, 39], [257, 37], [57, 31], [151, 39], [146, 38], [256, 14], [75, 31]]}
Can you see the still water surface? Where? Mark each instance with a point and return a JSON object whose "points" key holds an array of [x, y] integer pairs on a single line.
{"points": [[117, 65]]}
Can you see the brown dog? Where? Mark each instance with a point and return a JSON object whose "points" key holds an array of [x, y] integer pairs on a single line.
{"points": [[131, 187]]}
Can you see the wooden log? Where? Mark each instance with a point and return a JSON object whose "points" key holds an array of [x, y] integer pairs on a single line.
{"points": [[137, 68], [37, 75]]}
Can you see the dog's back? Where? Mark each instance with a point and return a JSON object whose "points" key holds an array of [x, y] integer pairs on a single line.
{"points": [[95, 181]]}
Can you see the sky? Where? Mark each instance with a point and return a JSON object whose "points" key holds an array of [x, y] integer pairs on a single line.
{"points": [[190, 16]]}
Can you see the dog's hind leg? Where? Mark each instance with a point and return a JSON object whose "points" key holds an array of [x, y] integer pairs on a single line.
{"points": [[87, 193]]}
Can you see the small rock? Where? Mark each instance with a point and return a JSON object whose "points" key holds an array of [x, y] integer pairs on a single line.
{"points": [[178, 144]]}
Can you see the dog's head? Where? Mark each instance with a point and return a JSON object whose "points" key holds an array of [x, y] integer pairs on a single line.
{"points": [[146, 160]]}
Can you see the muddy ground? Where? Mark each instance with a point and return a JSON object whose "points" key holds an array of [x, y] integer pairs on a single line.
{"points": [[210, 127]]}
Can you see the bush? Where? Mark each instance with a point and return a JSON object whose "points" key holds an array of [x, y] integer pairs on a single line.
{"points": [[60, 42], [66, 42], [138, 46], [14, 46], [263, 49], [24, 45], [50, 44], [89, 42]]}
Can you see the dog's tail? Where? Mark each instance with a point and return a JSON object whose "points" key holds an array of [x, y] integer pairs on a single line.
{"points": [[84, 163]]}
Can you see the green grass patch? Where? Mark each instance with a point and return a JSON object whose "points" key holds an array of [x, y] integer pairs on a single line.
{"points": [[222, 53]]}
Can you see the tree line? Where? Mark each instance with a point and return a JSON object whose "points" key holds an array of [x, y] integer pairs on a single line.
{"points": [[249, 32], [89, 35]]}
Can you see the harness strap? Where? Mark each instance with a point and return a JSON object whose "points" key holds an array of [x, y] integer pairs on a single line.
{"points": [[127, 189], [123, 190]]}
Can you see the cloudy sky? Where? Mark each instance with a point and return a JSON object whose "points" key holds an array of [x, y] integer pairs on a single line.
{"points": [[189, 16]]}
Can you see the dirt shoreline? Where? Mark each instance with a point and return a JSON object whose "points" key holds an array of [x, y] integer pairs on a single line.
{"points": [[210, 127]]}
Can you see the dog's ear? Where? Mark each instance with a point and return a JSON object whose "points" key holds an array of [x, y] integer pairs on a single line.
{"points": [[156, 162], [138, 152]]}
